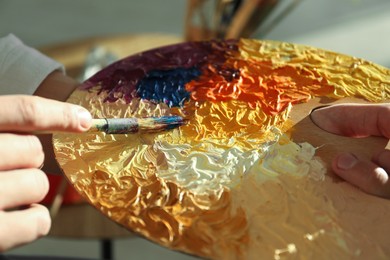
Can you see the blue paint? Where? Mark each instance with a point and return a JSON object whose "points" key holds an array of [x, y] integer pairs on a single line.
{"points": [[167, 86], [170, 122]]}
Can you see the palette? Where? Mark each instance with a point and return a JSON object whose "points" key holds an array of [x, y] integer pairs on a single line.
{"points": [[248, 176]]}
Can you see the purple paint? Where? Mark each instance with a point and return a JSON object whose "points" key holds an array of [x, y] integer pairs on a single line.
{"points": [[123, 76]]}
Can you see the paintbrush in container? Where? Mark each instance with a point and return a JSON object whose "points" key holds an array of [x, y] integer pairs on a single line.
{"points": [[135, 125]]}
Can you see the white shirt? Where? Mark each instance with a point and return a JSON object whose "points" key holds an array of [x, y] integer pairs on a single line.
{"points": [[22, 68]]}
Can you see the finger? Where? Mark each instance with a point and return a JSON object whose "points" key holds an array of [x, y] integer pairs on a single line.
{"points": [[383, 159], [22, 187], [366, 175], [354, 120], [31, 113], [50, 164], [20, 151], [23, 226]]}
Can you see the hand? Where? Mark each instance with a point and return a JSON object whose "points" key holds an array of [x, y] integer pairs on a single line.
{"points": [[22, 183], [358, 120], [56, 86]]}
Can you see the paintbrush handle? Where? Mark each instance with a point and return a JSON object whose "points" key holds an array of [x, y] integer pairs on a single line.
{"points": [[115, 125], [135, 125]]}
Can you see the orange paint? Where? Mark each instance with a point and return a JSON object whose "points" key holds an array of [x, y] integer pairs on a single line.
{"points": [[274, 88]]}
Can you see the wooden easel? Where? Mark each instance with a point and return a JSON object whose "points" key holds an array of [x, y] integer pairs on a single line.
{"points": [[231, 19]]}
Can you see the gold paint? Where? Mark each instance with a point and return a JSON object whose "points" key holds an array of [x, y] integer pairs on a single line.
{"points": [[231, 184], [212, 121], [350, 76], [315, 235], [291, 249]]}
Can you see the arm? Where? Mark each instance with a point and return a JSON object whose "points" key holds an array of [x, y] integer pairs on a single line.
{"points": [[355, 120]]}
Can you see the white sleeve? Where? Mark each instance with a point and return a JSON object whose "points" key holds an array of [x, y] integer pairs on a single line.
{"points": [[22, 68]]}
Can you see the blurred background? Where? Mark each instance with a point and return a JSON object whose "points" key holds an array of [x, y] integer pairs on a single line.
{"points": [[358, 28]]}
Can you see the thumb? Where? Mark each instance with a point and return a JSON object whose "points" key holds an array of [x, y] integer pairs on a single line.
{"points": [[367, 175], [354, 120]]}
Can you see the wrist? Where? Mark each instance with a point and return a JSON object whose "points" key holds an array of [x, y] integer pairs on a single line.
{"points": [[57, 86]]}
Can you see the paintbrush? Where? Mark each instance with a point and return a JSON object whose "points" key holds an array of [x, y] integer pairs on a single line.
{"points": [[135, 125], [241, 18]]}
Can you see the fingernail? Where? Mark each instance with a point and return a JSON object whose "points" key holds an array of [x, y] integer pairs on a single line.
{"points": [[316, 109], [346, 161], [317, 115], [44, 222], [85, 118]]}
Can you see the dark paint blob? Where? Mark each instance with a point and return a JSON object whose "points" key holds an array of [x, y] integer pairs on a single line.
{"points": [[167, 86]]}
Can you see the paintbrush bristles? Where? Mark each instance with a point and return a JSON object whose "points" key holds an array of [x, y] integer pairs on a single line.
{"points": [[159, 123], [135, 125]]}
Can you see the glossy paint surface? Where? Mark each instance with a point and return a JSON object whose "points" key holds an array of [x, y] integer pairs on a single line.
{"points": [[230, 183]]}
